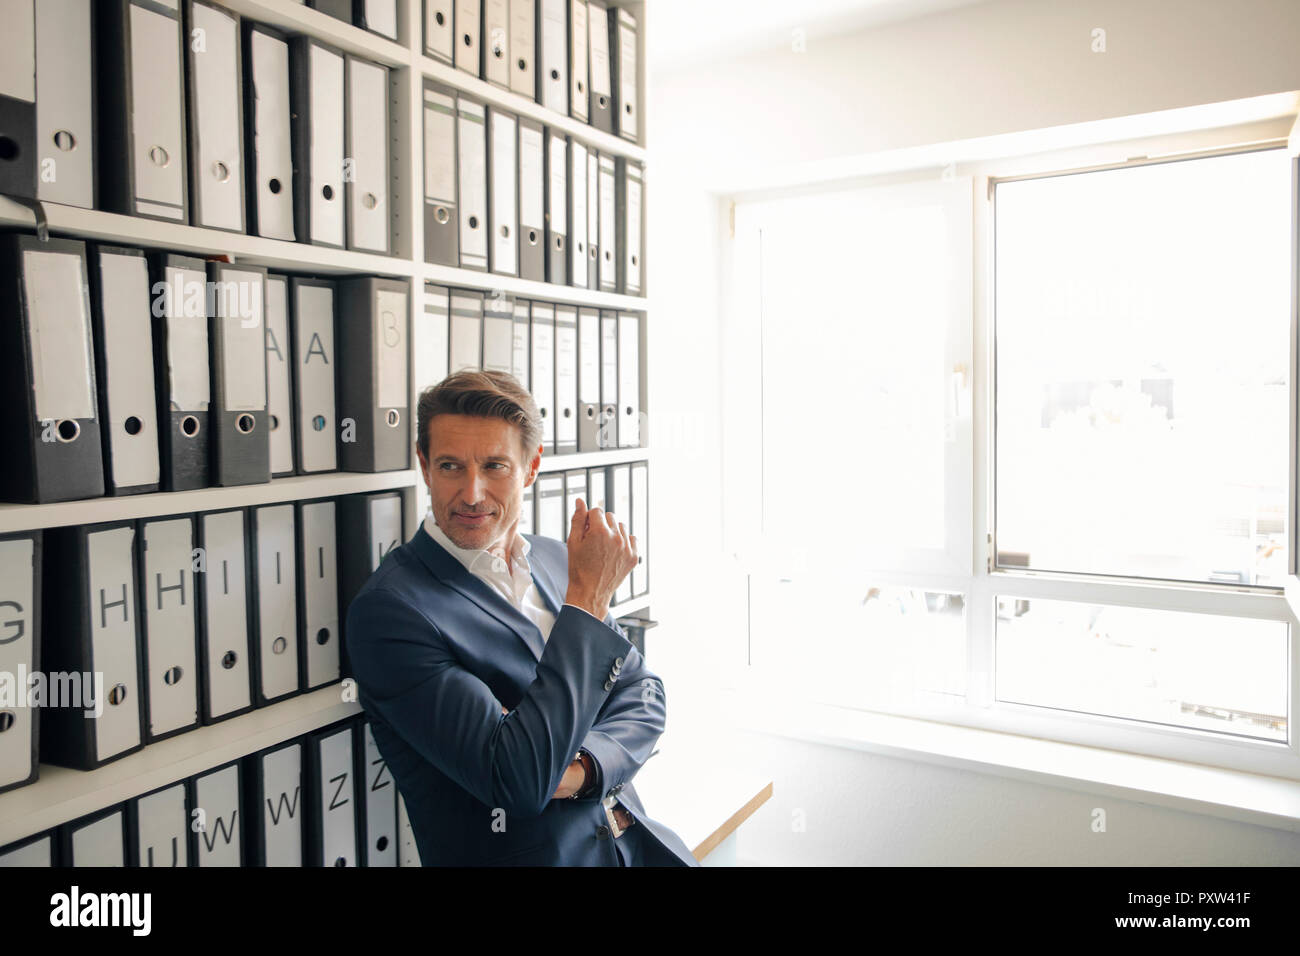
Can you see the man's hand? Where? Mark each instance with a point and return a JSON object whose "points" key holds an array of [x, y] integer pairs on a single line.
{"points": [[601, 555]]}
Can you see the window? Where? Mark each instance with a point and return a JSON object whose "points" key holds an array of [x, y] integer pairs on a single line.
{"points": [[1109, 570]]}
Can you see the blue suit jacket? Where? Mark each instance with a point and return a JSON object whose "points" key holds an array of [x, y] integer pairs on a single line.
{"points": [[436, 653]]}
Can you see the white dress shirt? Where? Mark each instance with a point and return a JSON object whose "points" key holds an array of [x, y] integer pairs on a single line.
{"points": [[515, 586]]}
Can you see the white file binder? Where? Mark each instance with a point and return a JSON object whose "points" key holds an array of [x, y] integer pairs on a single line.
{"points": [[629, 379], [552, 522], [543, 370], [439, 31], [19, 653], [379, 842], [317, 98], [496, 42], [557, 198], [609, 248], [160, 822], [466, 330], [471, 149], [367, 138], [523, 38], [319, 583], [532, 203], [552, 54], [216, 118], [588, 407], [602, 87], [621, 480], [227, 685], [275, 653], [65, 120], [283, 806], [520, 356], [503, 220], [278, 402], [441, 224], [97, 842], [217, 794], [578, 93], [578, 214], [498, 333], [314, 361], [468, 22], [640, 526], [270, 145], [168, 602], [625, 75], [566, 379], [333, 785]]}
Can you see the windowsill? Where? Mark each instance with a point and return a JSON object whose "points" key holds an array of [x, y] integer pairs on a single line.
{"points": [[1192, 788]]}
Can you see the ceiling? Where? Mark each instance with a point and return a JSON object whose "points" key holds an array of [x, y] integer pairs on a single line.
{"points": [[686, 33]]}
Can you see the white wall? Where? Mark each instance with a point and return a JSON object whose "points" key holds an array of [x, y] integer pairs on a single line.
{"points": [[982, 70]]}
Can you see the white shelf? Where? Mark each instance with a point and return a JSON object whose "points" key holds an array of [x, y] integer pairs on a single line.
{"points": [[115, 228], [528, 289], [593, 459], [630, 605], [300, 18], [520, 105], [62, 794], [118, 508]]}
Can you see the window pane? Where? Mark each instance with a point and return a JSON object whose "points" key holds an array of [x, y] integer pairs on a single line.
{"points": [[856, 306], [885, 647], [1142, 334], [1204, 671]]}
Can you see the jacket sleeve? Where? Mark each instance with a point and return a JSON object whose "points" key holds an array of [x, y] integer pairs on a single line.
{"points": [[412, 679], [628, 723]]}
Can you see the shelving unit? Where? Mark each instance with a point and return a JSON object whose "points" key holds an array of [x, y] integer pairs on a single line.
{"points": [[61, 794]]}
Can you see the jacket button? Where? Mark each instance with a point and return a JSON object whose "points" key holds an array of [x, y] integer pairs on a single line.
{"points": [[618, 662], [602, 831], [609, 684]]}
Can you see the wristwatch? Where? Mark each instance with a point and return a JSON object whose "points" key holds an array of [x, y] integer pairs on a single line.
{"points": [[589, 780]]}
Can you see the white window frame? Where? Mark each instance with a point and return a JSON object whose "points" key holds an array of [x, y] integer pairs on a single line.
{"points": [[985, 583]]}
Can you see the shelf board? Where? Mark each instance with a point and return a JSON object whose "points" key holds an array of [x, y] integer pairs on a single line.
{"points": [[593, 459], [528, 289], [630, 605], [117, 508], [520, 105], [300, 18], [62, 794], [117, 229]]}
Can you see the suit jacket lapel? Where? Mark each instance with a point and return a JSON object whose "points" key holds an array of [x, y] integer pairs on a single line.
{"points": [[456, 576]]}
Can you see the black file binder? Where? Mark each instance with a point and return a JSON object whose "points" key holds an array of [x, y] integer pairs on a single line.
{"points": [[557, 198], [372, 374], [158, 827], [369, 526], [241, 445], [94, 840], [441, 221], [49, 419]]}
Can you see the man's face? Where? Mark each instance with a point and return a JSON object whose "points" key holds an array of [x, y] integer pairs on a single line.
{"points": [[476, 475]]}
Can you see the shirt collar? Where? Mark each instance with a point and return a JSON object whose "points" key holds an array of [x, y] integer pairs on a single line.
{"points": [[478, 559]]}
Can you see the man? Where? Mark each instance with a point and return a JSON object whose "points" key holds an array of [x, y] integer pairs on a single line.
{"points": [[512, 722]]}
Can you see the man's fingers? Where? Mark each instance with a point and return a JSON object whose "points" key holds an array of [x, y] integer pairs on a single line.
{"points": [[579, 519]]}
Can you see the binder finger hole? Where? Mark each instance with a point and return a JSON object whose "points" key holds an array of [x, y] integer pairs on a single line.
{"points": [[68, 430], [275, 422], [628, 109], [117, 695], [189, 426], [245, 424], [580, 87], [6, 720], [523, 64], [229, 660], [532, 237], [318, 423], [505, 232], [220, 172], [65, 141], [473, 222], [392, 418], [370, 201], [133, 425], [323, 636], [634, 260], [279, 645], [603, 100], [274, 186], [381, 844], [172, 676], [581, 246], [159, 157], [327, 191], [469, 40], [555, 74], [341, 861], [441, 214], [559, 242], [440, 19]]}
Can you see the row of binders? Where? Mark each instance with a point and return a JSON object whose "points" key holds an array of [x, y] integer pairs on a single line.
{"points": [[549, 503], [506, 194], [581, 365], [181, 110], [125, 372], [575, 57], [323, 799], [151, 628]]}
